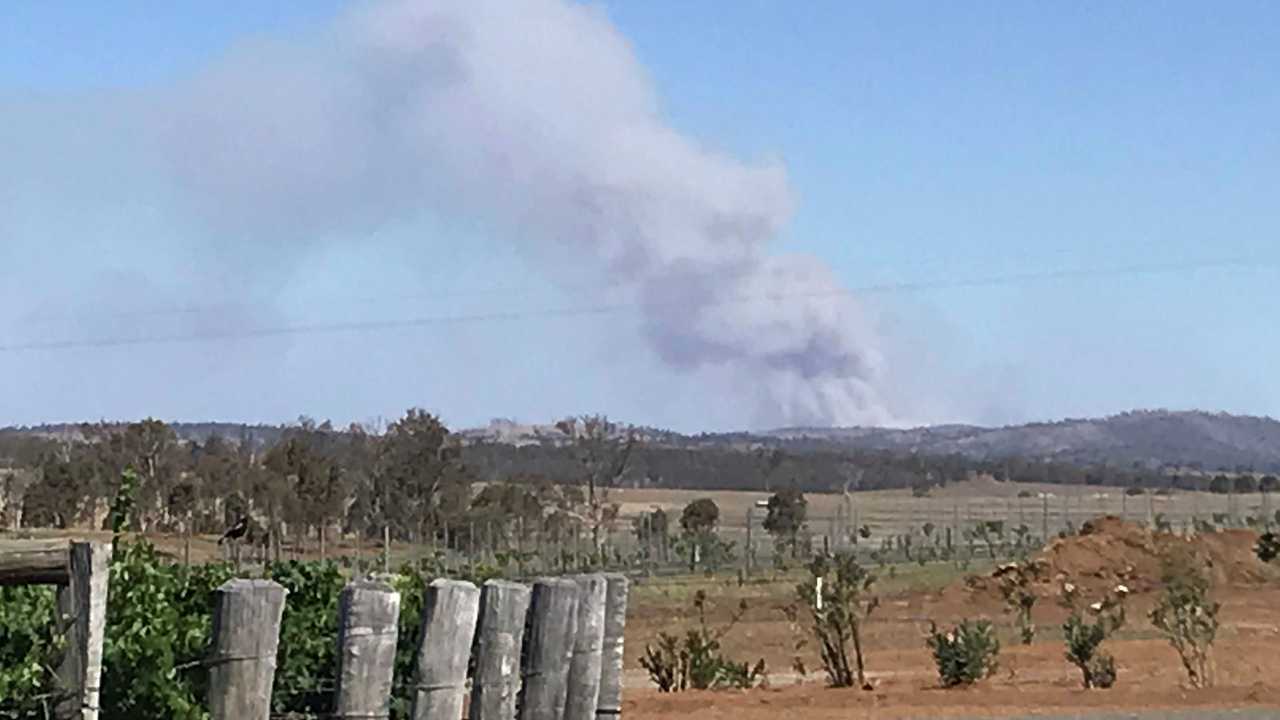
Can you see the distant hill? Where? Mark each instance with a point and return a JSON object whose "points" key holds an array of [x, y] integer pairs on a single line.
{"points": [[260, 435], [1151, 438]]}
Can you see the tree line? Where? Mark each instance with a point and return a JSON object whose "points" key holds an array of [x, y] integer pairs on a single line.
{"points": [[414, 480], [409, 481]]}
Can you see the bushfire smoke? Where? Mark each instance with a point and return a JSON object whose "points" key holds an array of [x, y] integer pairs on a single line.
{"points": [[538, 116]]}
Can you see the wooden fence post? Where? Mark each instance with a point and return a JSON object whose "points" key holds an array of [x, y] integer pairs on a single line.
{"points": [[584, 669], [448, 627], [246, 635], [82, 603], [368, 616], [553, 622], [504, 607], [609, 704]]}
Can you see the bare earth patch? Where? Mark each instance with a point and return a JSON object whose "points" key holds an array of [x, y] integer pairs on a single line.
{"points": [[1033, 681]]}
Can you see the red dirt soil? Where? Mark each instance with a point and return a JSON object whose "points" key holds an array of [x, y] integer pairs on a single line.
{"points": [[1032, 680], [1110, 551]]}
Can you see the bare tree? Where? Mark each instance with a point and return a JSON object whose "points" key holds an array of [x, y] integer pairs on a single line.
{"points": [[604, 450]]}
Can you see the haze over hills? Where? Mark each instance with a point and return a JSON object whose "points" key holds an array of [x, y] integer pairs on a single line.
{"points": [[1153, 438], [1150, 438]]}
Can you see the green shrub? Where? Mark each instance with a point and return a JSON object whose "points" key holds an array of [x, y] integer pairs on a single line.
{"points": [[1017, 586], [1186, 617], [1084, 637], [965, 654], [411, 583], [307, 657], [667, 664], [695, 662], [837, 599], [159, 618], [29, 652], [1268, 547]]}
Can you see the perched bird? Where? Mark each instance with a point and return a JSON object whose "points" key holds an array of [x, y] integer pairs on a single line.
{"points": [[237, 531]]}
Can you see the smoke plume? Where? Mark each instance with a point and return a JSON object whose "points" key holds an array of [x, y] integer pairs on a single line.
{"points": [[537, 115]]}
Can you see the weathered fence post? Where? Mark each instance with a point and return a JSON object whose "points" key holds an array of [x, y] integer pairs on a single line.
{"points": [[368, 616], [82, 571], [609, 704], [448, 627], [584, 669], [246, 635], [504, 607], [82, 602], [553, 622]]}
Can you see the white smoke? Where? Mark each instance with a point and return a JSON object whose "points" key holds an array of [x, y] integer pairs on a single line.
{"points": [[538, 116]]}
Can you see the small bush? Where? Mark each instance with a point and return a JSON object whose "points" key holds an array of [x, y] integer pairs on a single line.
{"points": [[695, 662], [837, 599], [1268, 547], [666, 664], [1017, 587], [1162, 523], [740, 675], [29, 654], [1186, 617], [965, 654], [1084, 637]]}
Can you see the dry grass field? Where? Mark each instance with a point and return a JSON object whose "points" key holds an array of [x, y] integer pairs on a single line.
{"points": [[1044, 509], [981, 499]]}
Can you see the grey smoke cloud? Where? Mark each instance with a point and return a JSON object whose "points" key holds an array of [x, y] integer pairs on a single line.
{"points": [[538, 116]]}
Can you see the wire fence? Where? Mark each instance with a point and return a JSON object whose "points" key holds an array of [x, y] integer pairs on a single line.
{"points": [[924, 529]]}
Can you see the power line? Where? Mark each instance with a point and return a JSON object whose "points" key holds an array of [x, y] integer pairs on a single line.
{"points": [[611, 308], [582, 288]]}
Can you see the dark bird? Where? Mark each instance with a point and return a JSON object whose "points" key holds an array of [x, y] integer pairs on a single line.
{"points": [[237, 531]]}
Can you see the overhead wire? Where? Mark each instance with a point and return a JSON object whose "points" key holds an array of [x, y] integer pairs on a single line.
{"points": [[921, 261], [623, 306]]}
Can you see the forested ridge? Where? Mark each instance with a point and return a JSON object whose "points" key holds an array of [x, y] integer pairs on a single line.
{"points": [[414, 477]]}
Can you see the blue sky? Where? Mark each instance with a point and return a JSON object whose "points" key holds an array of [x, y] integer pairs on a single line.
{"points": [[924, 143]]}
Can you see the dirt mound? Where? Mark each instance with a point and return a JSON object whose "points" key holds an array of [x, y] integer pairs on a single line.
{"points": [[1110, 551]]}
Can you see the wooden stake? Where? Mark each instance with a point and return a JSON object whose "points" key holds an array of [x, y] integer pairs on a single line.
{"points": [[504, 608], [609, 704], [448, 627], [584, 669], [246, 636], [368, 615], [553, 623], [82, 603]]}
